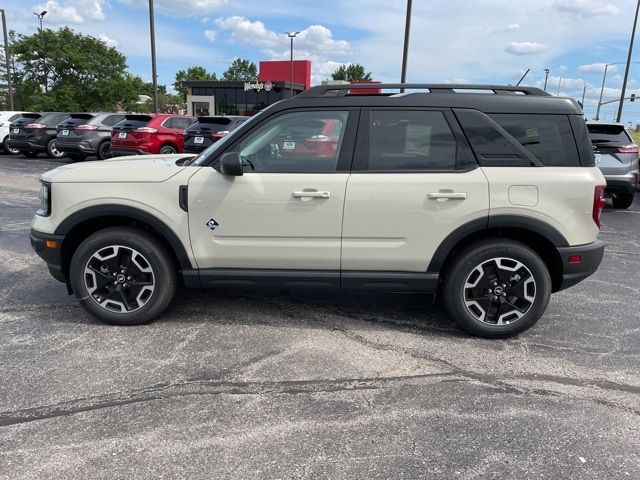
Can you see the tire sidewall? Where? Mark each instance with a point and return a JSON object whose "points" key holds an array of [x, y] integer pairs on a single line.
{"points": [[470, 259], [100, 154], [171, 149], [163, 271], [7, 149], [51, 146]]}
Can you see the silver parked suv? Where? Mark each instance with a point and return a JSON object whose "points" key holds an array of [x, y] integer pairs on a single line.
{"points": [[617, 156]]}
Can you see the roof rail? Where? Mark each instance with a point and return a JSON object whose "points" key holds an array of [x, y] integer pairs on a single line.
{"points": [[342, 90]]}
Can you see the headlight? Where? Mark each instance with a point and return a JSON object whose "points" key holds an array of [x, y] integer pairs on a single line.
{"points": [[45, 200]]}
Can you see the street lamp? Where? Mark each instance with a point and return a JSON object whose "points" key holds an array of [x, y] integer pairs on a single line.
{"points": [[6, 59], [154, 73], [291, 35], [40, 17], [559, 83], [405, 51], [546, 77], [626, 70], [604, 78]]}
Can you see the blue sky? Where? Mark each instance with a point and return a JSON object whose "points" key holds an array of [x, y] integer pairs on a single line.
{"points": [[489, 41]]}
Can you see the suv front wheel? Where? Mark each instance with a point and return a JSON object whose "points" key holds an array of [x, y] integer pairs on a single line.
{"points": [[497, 288], [123, 276]]}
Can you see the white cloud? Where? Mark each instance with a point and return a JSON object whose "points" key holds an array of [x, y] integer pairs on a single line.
{"points": [[596, 68], [210, 35], [242, 30], [72, 11], [108, 40], [180, 8], [512, 27], [586, 8], [526, 48]]}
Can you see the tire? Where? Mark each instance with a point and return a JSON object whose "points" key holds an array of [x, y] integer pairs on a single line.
{"points": [[77, 157], [52, 151], [7, 149], [622, 201], [167, 149], [104, 150], [29, 153], [147, 263], [522, 288]]}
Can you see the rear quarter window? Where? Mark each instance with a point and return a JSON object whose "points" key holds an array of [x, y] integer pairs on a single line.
{"points": [[548, 137]]}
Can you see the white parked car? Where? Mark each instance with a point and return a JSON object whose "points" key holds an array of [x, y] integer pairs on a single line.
{"points": [[491, 201], [5, 120]]}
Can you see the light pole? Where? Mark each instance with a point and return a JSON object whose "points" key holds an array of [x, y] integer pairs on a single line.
{"points": [[559, 83], [626, 70], [604, 78], [584, 91], [40, 17], [291, 35], [405, 50], [546, 77], [6, 59], [154, 73]]}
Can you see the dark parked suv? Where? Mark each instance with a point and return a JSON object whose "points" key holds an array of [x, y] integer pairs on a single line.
{"points": [[35, 133], [208, 130], [84, 134]]}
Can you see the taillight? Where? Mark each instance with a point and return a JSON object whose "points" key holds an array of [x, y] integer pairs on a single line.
{"points": [[145, 130], [86, 127], [598, 204], [629, 149], [35, 125], [220, 134]]}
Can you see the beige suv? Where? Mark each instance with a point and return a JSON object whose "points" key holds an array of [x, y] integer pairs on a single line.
{"points": [[484, 195]]}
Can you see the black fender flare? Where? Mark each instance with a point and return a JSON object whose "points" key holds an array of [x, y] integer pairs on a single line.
{"points": [[108, 210], [494, 221]]}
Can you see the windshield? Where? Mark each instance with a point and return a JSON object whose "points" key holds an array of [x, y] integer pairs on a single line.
{"points": [[207, 154]]}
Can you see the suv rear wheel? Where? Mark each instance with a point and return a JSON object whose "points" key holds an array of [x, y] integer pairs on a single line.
{"points": [[622, 201], [167, 149], [104, 150], [7, 149], [53, 151], [497, 288], [123, 276]]}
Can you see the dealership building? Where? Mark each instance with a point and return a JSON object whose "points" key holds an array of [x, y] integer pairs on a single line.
{"points": [[205, 97]]}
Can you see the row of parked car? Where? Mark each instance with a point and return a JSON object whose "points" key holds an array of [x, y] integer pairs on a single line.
{"points": [[79, 135]]}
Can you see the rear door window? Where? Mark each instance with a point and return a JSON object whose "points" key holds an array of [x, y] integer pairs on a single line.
{"points": [[548, 137], [410, 140]]}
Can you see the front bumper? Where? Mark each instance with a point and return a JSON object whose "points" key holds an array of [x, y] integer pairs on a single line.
{"points": [[52, 256], [26, 145], [590, 257]]}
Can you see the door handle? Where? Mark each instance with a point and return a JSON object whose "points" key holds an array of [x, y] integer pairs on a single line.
{"points": [[311, 194], [447, 195]]}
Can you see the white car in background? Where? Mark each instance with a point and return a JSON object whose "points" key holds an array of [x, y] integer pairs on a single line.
{"points": [[5, 120]]}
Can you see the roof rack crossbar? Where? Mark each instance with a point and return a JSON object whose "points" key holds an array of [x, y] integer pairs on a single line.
{"points": [[343, 89]]}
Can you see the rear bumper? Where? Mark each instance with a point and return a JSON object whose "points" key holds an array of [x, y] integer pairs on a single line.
{"points": [[621, 184], [75, 147], [52, 256], [26, 145], [194, 148], [590, 257], [122, 151]]}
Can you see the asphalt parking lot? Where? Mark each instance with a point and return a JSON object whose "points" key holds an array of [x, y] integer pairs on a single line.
{"points": [[241, 384]]}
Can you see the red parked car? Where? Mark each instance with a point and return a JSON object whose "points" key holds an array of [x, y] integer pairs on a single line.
{"points": [[143, 134]]}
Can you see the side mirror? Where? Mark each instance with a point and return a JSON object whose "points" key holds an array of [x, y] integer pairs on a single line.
{"points": [[231, 164]]}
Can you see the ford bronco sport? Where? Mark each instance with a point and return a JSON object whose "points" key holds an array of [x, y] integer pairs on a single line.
{"points": [[487, 195]]}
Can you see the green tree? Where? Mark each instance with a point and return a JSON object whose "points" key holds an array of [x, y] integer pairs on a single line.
{"points": [[68, 71], [351, 72], [241, 70], [191, 73]]}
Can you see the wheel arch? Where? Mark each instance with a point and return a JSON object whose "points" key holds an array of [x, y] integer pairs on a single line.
{"points": [[83, 223], [537, 235]]}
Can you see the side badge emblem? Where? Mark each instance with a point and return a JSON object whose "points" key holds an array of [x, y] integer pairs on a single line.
{"points": [[212, 224]]}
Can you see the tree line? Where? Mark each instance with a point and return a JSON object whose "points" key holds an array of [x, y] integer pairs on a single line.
{"points": [[62, 70]]}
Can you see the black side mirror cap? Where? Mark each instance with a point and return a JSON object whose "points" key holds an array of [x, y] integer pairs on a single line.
{"points": [[231, 164]]}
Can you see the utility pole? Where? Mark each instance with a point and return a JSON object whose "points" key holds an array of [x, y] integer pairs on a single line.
{"points": [[626, 70], [291, 35], [546, 77], [6, 59], [405, 51], [154, 72], [560, 83], [584, 91]]}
